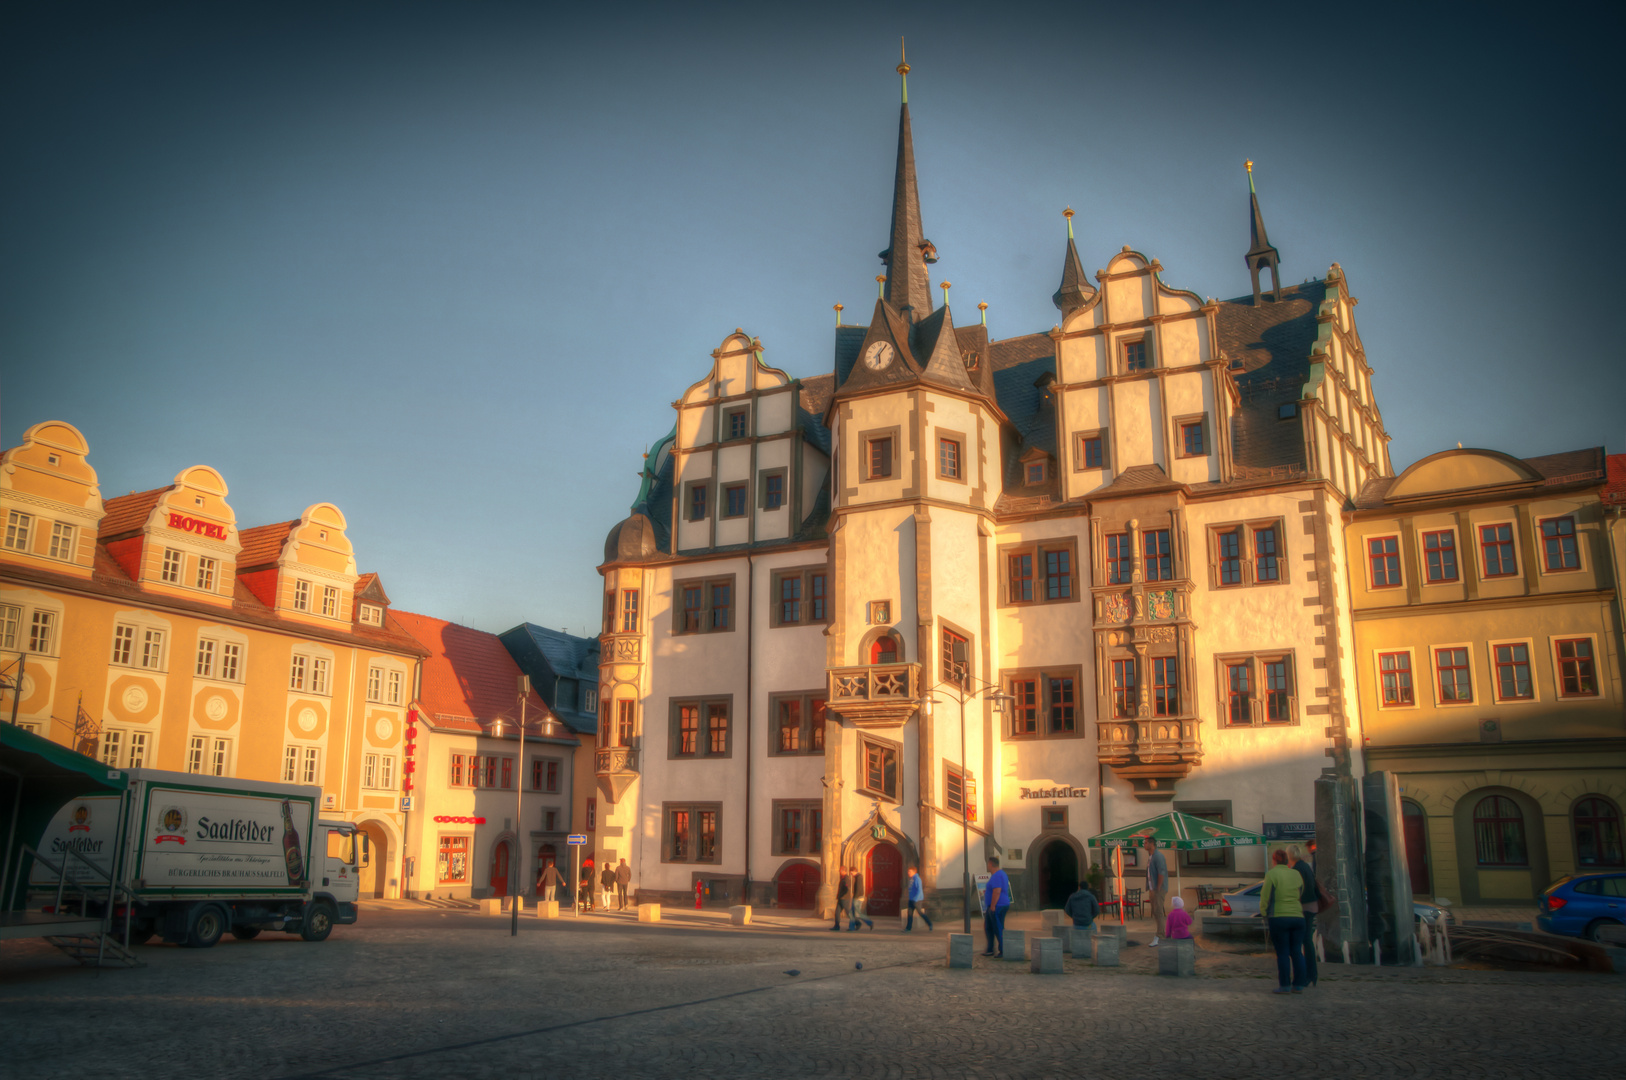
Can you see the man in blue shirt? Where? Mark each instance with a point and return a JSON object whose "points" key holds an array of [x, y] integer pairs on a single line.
{"points": [[1157, 886], [996, 901], [917, 902]]}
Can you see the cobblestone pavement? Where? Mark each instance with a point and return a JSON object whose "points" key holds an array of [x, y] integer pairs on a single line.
{"points": [[418, 992]]}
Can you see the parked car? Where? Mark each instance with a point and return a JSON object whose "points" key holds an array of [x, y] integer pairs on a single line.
{"points": [[1245, 902], [1580, 905]]}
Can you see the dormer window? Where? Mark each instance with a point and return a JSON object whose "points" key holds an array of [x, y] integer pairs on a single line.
{"points": [[372, 614], [1033, 472], [330, 601], [206, 573], [302, 596], [52, 459], [198, 499]]}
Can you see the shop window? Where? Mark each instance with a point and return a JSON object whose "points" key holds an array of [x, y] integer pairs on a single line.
{"points": [[1207, 858], [1597, 834], [1496, 549], [798, 723], [452, 861], [1394, 675], [1499, 833], [799, 827], [879, 758], [690, 833], [1577, 677], [1440, 556], [1558, 545]]}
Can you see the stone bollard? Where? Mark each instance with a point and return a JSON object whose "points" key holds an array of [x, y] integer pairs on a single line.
{"points": [[1050, 918], [1046, 956], [547, 909], [1106, 950], [959, 950], [1016, 945], [1081, 943], [1112, 929], [1177, 956], [740, 915], [649, 913], [491, 905], [1063, 932]]}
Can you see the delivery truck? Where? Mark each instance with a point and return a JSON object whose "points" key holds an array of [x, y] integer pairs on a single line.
{"points": [[196, 857]]}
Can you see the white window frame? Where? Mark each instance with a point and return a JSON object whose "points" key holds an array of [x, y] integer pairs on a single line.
{"points": [[1377, 673], [64, 539], [42, 632], [1434, 676], [112, 742], [321, 675], [372, 615], [135, 753], [174, 563], [590, 699], [19, 527], [152, 648], [290, 762], [310, 765], [302, 595], [386, 772], [197, 747], [369, 770], [11, 625], [375, 683], [231, 661], [1495, 678], [330, 601], [208, 570], [220, 757], [299, 672], [123, 644], [394, 683], [208, 654]]}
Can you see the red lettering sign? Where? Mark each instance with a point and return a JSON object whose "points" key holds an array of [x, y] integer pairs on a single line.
{"points": [[193, 525]]}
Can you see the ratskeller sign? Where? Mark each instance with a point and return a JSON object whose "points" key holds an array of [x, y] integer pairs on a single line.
{"points": [[1056, 793]]}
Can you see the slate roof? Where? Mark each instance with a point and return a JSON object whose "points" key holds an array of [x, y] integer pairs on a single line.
{"points": [[1269, 350], [544, 654], [128, 513], [469, 679]]}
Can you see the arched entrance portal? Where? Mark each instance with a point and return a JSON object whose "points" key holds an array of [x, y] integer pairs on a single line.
{"points": [[375, 876], [499, 869], [1415, 824], [798, 885], [883, 879], [1058, 874]]}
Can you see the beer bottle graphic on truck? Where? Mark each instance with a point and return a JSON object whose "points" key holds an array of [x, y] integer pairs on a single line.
{"points": [[290, 847]]}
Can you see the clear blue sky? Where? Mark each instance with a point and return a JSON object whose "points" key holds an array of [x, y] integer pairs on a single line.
{"points": [[447, 265]]}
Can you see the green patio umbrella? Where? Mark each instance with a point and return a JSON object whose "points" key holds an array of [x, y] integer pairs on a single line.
{"points": [[1182, 832]]}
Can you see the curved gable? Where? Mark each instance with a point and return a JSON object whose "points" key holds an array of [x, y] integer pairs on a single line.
{"points": [[1460, 470], [319, 541]]}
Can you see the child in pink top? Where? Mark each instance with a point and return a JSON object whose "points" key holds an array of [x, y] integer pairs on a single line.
{"points": [[1179, 924]]}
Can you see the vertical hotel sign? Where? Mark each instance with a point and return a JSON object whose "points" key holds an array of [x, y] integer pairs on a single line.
{"points": [[409, 764]]}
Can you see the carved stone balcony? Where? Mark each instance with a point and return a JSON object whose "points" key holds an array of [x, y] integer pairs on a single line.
{"points": [[875, 695], [1152, 753], [617, 768], [625, 648]]}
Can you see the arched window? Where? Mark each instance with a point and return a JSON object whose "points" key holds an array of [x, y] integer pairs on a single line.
{"points": [[884, 650], [1499, 832], [1597, 833]]}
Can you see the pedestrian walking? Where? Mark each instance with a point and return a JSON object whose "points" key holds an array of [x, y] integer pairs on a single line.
{"points": [[842, 892], [917, 902], [996, 901], [606, 880], [1179, 921], [1309, 900], [584, 887], [1279, 900], [1082, 907], [1157, 885], [623, 878], [855, 902], [549, 880]]}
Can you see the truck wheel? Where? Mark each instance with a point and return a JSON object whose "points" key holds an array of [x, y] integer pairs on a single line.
{"points": [[245, 933], [318, 923], [208, 924]]}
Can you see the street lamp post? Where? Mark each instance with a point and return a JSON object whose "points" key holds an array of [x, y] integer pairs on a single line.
{"points": [[517, 863]]}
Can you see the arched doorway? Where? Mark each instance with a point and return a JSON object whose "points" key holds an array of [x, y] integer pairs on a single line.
{"points": [[883, 879], [798, 885], [375, 876], [1058, 874], [499, 868], [1415, 827]]}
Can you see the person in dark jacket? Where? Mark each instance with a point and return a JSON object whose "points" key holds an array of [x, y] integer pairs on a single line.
{"points": [[1308, 899], [1082, 907], [842, 891], [855, 903]]}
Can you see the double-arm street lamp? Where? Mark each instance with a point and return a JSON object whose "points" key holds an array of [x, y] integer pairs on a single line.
{"points": [[959, 684], [500, 728]]}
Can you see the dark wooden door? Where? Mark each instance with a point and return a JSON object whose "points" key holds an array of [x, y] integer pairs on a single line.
{"points": [[1416, 830], [499, 870], [1058, 873], [883, 880], [798, 886]]}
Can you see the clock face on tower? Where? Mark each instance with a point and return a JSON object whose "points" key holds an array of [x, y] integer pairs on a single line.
{"points": [[878, 355]]}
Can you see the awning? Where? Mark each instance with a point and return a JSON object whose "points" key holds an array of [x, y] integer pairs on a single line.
{"points": [[1181, 832], [37, 778]]}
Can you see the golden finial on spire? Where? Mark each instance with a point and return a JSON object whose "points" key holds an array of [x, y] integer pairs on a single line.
{"points": [[1249, 166], [903, 69], [838, 314], [1068, 214], [880, 285], [945, 286], [982, 306]]}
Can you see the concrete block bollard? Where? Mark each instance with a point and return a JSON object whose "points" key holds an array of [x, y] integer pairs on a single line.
{"points": [[1016, 945], [1077, 941], [959, 950], [491, 905], [649, 913], [1053, 917], [547, 909], [1063, 932], [740, 915], [1117, 930], [1106, 950], [1177, 956], [1046, 956]]}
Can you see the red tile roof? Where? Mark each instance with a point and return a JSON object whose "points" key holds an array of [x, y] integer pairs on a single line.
{"points": [[262, 544], [469, 675], [1614, 489], [127, 513]]}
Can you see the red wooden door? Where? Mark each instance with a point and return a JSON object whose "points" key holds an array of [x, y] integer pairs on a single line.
{"points": [[798, 886], [1416, 830], [883, 880], [499, 870]]}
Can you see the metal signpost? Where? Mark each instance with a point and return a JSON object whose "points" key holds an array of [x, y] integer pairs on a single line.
{"points": [[576, 840]]}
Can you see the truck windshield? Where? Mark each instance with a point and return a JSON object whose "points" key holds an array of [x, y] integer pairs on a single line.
{"points": [[341, 845]]}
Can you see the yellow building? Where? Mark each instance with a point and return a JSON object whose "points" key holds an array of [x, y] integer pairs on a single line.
{"points": [[1484, 593], [149, 630]]}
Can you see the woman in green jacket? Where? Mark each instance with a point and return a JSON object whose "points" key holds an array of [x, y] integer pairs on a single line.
{"points": [[1279, 903]]}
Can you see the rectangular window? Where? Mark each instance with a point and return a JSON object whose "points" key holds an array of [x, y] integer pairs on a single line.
{"points": [[206, 658], [629, 611], [138, 750], [954, 791], [205, 578], [1165, 686], [815, 594], [1383, 556], [717, 728], [773, 491], [230, 657], [393, 684], [722, 605], [948, 459], [700, 729], [734, 501], [152, 649], [1496, 546], [1021, 574], [550, 820], [703, 606], [878, 458], [1230, 557], [1158, 564], [1092, 451], [1239, 693], [1191, 439], [1135, 355], [880, 775], [290, 764], [490, 780], [457, 770], [1440, 555], [592, 814], [171, 572], [1394, 671], [1125, 694], [550, 777], [1576, 675], [790, 727], [799, 723], [62, 537], [372, 615], [319, 674], [956, 656], [330, 601], [507, 773], [11, 623], [626, 718], [369, 770], [375, 684], [308, 773], [42, 632], [799, 597], [1558, 544], [790, 599], [1025, 709], [386, 772], [1120, 560], [452, 861], [798, 827], [691, 832], [688, 730], [18, 526], [1456, 684], [196, 749], [297, 672], [697, 502], [1062, 706], [1265, 566], [1278, 692], [302, 596], [737, 423], [112, 743], [123, 644], [1058, 574], [1513, 672], [1033, 472]]}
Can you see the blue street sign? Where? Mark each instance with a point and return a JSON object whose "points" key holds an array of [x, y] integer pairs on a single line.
{"points": [[576, 839]]}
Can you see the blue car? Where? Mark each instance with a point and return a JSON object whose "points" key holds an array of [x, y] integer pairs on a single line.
{"points": [[1582, 905]]}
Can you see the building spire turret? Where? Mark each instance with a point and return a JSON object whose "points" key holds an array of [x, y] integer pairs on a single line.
{"points": [[908, 286], [1076, 290], [1261, 253]]}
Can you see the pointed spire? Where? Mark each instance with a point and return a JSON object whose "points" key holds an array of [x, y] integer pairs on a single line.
{"points": [[908, 287], [1261, 253], [1076, 290]]}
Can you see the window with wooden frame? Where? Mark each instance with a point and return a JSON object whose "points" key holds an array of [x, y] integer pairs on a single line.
{"points": [[63, 545], [735, 501], [773, 489], [1090, 450], [736, 424], [1499, 833], [1498, 557], [950, 456], [1053, 818], [800, 597], [1157, 559], [1046, 704], [697, 501], [959, 791], [629, 611], [878, 766], [1040, 573], [1125, 688], [1247, 553], [1165, 685], [1191, 436], [1511, 661], [1033, 473], [1120, 559], [1560, 550], [1383, 562], [690, 832], [798, 827], [171, 571], [700, 728], [452, 860], [1440, 556], [704, 606], [18, 527], [1394, 680], [1453, 675], [545, 775], [798, 721], [955, 653], [880, 453], [626, 721], [1577, 674], [1258, 689], [1136, 355]]}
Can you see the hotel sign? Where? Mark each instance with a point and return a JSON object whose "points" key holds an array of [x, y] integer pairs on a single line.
{"points": [[193, 525], [1061, 792]]}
